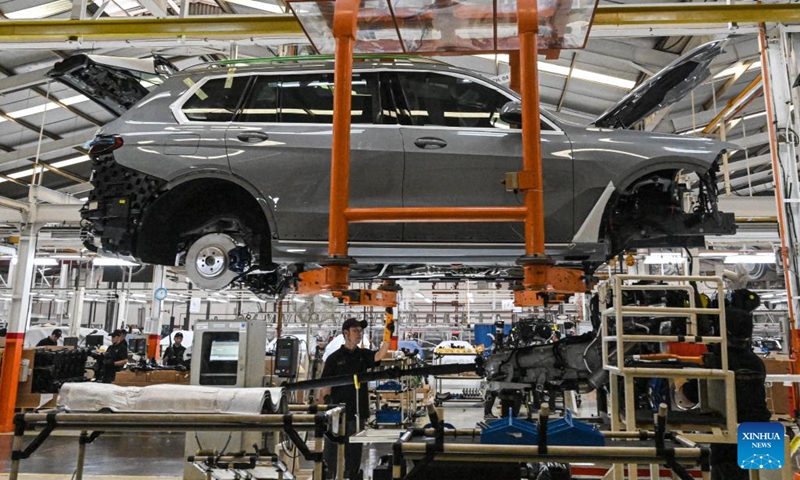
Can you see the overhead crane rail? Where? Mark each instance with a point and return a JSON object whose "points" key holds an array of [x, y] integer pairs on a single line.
{"points": [[265, 26]]}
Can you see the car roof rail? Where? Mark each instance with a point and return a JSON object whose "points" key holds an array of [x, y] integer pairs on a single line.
{"points": [[377, 58]]}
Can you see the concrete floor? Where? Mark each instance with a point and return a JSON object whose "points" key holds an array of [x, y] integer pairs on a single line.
{"points": [[138, 455]]}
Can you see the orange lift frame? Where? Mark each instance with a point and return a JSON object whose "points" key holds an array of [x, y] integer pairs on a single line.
{"points": [[540, 276]]}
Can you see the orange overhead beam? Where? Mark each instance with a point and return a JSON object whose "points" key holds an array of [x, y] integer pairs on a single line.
{"points": [[434, 214]]}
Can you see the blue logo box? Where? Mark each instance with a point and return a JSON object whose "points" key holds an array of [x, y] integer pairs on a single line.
{"points": [[760, 446]]}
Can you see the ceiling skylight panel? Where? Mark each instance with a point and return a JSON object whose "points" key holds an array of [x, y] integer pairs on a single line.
{"points": [[41, 11]]}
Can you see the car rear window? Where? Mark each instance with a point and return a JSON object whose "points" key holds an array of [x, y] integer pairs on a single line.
{"points": [[216, 100]]}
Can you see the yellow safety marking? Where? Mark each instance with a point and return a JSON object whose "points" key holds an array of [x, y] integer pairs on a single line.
{"points": [[356, 382], [200, 93], [229, 79], [794, 444]]}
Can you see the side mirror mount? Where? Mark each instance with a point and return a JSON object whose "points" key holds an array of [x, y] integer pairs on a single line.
{"points": [[511, 113]]}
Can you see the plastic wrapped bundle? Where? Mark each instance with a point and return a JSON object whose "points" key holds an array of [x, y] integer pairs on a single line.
{"points": [[92, 397]]}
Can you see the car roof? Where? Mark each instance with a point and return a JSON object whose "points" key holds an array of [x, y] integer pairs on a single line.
{"points": [[314, 62], [324, 62]]}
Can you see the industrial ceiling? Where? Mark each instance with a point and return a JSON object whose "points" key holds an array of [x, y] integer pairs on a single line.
{"points": [[44, 120]]}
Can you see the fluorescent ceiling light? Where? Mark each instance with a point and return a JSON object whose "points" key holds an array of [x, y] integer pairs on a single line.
{"points": [[737, 120], [41, 11], [715, 254], [25, 112], [662, 258], [264, 7], [45, 261], [694, 130], [751, 258], [112, 262], [576, 73], [60, 164], [736, 69], [24, 173], [71, 161]]}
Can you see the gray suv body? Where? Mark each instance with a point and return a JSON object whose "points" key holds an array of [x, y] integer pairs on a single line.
{"points": [[227, 169]]}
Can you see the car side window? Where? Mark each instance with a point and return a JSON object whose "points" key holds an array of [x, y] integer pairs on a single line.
{"points": [[431, 98], [262, 103], [309, 98], [216, 100]]}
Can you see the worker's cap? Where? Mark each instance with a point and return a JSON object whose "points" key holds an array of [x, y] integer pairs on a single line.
{"points": [[118, 332], [57, 332], [179, 334], [353, 323]]}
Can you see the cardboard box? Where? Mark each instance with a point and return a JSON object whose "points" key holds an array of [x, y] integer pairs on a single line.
{"points": [[127, 378], [269, 366], [37, 400], [778, 393], [162, 376]]}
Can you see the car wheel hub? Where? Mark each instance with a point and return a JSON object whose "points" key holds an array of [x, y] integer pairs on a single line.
{"points": [[208, 261], [211, 261]]}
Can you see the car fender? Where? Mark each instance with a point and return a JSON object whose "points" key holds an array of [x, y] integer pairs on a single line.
{"points": [[238, 181], [690, 164], [589, 231]]}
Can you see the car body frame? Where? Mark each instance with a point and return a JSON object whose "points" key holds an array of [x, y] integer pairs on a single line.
{"points": [[225, 169]]}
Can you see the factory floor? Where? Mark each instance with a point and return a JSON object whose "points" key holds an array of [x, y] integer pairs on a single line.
{"points": [[136, 456]]}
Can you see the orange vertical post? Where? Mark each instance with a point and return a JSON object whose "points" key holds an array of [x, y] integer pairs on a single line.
{"points": [[12, 357], [779, 197], [534, 262], [18, 319], [344, 31], [333, 276], [773, 142], [154, 346]]}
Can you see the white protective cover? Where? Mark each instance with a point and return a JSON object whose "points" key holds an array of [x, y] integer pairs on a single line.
{"points": [[92, 397]]}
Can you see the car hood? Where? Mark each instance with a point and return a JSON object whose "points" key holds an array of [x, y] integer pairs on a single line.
{"points": [[114, 83], [664, 88]]}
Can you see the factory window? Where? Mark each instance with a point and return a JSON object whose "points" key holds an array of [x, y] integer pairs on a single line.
{"points": [[309, 98], [216, 100]]}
